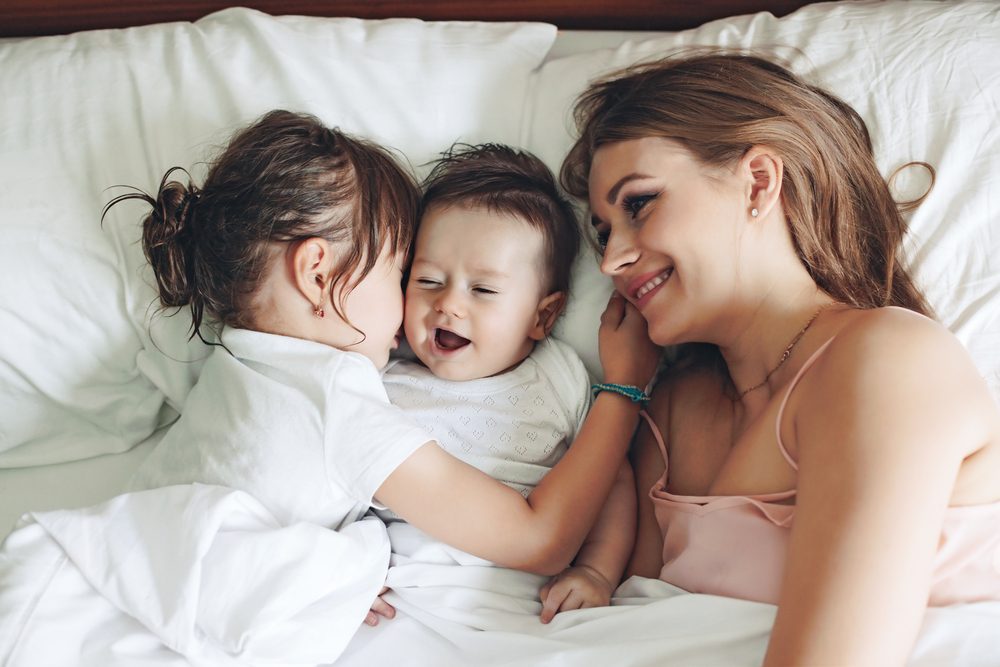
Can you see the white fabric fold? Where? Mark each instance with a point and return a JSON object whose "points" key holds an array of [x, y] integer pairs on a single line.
{"points": [[198, 571]]}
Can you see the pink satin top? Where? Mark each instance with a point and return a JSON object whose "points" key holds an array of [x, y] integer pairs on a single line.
{"points": [[736, 545]]}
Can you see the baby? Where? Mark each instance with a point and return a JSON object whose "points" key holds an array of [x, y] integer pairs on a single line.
{"points": [[489, 278]]}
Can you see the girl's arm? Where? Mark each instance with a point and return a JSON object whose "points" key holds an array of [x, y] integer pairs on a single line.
{"points": [[881, 425], [466, 508]]}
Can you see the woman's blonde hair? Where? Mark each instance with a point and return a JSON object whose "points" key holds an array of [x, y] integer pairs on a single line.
{"points": [[846, 226]]}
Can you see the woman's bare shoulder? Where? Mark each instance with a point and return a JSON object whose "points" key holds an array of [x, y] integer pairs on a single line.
{"points": [[893, 366], [896, 343]]}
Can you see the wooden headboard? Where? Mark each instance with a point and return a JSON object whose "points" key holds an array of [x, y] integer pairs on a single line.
{"points": [[52, 17]]}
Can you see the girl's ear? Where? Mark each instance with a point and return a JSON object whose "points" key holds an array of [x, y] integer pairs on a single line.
{"points": [[548, 312], [765, 170], [311, 263]]}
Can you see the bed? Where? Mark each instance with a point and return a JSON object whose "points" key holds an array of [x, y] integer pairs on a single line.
{"points": [[97, 95]]}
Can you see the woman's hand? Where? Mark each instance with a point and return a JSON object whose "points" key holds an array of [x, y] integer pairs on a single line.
{"points": [[627, 355]]}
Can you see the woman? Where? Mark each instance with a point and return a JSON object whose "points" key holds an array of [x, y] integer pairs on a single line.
{"points": [[832, 449]]}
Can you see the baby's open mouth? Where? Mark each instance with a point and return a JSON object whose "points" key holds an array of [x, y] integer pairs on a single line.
{"points": [[448, 340]]}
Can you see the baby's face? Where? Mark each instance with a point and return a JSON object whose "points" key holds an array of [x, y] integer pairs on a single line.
{"points": [[473, 295]]}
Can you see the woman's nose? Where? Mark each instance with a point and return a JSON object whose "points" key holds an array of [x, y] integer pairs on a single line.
{"points": [[619, 253]]}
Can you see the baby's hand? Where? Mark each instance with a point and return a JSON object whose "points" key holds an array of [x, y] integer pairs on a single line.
{"points": [[627, 354], [577, 587], [380, 608]]}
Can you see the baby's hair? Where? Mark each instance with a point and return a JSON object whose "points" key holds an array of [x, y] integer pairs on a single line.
{"points": [[283, 179], [512, 182]]}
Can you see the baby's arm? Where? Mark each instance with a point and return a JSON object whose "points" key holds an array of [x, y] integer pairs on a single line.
{"points": [[598, 567]]}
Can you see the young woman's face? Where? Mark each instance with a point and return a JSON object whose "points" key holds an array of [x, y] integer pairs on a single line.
{"points": [[474, 292], [375, 307], [669, 227]]}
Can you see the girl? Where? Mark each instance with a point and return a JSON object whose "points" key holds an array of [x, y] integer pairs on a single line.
{"points": [[832, 450], [296, 246]]}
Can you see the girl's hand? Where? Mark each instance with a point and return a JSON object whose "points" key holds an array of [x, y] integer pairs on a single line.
{"points": [[380, 608], [578, 587], [627, 354]]}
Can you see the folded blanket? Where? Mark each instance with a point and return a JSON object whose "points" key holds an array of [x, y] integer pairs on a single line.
{"points": [[189, 574]]}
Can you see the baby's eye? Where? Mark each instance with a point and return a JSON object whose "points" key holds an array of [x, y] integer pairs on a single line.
{"points": [[484, 290], [426, 282], [634, 203]]}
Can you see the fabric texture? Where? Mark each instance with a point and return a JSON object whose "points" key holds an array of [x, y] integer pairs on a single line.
{"points": [[183, 575], [304, 428]]}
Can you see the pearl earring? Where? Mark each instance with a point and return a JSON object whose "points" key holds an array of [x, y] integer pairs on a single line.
{"points": [[754, 213]]}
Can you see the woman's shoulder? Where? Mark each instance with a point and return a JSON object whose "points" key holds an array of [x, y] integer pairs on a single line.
{"points": [[888, 366], [895, 341]]}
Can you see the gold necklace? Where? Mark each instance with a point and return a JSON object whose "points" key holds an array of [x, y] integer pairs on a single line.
{"points": [[784, 355]]}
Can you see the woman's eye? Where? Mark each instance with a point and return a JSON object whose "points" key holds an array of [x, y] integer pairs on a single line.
{"points": [[634, 203], [602, 238]]}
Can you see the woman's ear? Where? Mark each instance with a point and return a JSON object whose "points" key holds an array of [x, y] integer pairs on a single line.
{"points": [[764, 170], [311, 263], [548, 312]]}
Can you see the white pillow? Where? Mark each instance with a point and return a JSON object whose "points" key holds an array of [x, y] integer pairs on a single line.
{"points": [[87, 366], [924, 77]]}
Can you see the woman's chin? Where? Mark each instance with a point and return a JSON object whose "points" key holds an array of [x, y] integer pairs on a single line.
{"points": [[665, 334]]}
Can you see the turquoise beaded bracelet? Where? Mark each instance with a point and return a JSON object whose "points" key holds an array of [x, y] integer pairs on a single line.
{"points": [[631, 392]]}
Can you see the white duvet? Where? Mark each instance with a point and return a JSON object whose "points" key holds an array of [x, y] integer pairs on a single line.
{"points": [[202, 575], [190, 574]]}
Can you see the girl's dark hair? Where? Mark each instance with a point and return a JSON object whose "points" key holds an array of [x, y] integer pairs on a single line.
{"points": [[845, 225], [512, 182], [284, 178]]}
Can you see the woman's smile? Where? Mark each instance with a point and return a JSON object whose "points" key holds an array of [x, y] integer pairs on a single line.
{"points": [[642, 289]]}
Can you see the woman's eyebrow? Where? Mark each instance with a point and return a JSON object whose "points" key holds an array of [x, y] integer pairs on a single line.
{"points": [[616, 188]]}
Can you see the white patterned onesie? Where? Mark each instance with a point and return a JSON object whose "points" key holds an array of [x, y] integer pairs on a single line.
{"points": [[514, 426]]}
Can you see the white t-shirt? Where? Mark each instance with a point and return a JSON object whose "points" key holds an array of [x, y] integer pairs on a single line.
{"points": [[514, 426], [305, 428]]}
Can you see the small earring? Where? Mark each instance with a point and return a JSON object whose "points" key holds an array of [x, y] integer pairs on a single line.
{"points": [[318, 311], [754, 213]]}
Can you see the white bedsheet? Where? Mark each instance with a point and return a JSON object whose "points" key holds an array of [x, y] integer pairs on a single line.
{"points": [[201, 575], [190, 574], [453, 613]]}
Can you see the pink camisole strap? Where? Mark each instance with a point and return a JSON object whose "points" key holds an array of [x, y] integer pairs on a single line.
{"points": [[777, 422], [784, 401]]}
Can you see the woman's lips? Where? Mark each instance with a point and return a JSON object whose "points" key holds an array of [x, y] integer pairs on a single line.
{"points": [[643, 288]]}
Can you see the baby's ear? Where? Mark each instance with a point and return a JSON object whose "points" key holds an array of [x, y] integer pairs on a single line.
{"points": [[548, 312]]}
